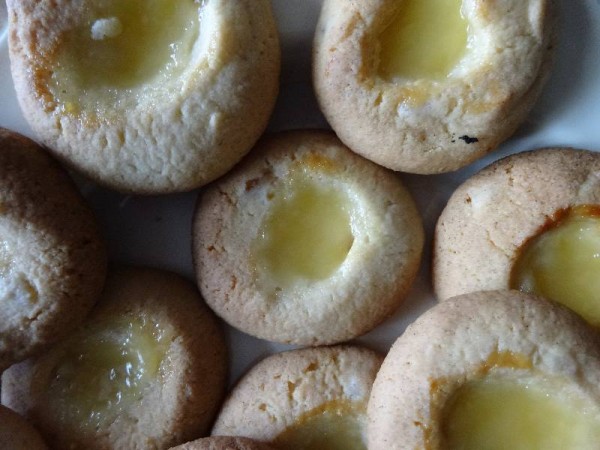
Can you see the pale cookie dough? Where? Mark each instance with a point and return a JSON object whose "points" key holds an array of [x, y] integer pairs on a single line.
{"points": [[146, 371], [223, 443], [436, 119], [17, 434], [505, 340], [310, 398], [306, 242], [146, 96], [52, 257], [489, 217]]}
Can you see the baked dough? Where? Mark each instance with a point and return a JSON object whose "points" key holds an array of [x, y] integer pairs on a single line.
{"points": [[495, 336], [289, 389], [147, 370], [430, 123], [223, 443], [306, 242], [17, 434], [52, 257], [146, 97], [492, 215]]}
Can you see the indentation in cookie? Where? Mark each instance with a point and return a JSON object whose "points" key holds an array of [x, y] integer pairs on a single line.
{"points": [[307, 233], [486, 412], [334, 425], [16, 290], [425, 40], [104, 372], [562, 261], [122, 45], [490, 369]]}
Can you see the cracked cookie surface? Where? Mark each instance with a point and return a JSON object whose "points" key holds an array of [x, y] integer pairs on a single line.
{"points": [[306, 242], [146, 96], [495, 361], [52, 257], [308, 398], [147, 369], [490, 217], [377, 86]]}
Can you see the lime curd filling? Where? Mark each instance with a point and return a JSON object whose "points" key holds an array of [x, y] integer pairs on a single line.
{"points": [[307, 233], [425, 40], [495, 414], [123, 45], [563, 262], [334, 426], [105, 372]]}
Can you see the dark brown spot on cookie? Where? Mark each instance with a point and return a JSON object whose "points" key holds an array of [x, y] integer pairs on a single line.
{"points": [[251, 184], [468, 139]]}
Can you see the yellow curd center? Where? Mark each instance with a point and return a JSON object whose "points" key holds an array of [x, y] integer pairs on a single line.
{"points": [[307, 234], [563, 263], [106, 372], [425, 40], [125, 44], [335, 426], [502, 414]]}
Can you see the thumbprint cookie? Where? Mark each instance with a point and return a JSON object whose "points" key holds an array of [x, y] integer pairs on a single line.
{"points": [[428, 86], [306, 242], [146, 370], [146, 96]]}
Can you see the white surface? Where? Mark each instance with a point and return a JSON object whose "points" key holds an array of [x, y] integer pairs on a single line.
{"points": [[3, 20], [155, 231]]}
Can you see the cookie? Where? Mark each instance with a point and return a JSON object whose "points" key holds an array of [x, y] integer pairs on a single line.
{"points": [[146, 96], [147, 370], [428, 86], [17, 434], [489, 234], [496, 369], [306, 242], [223, 443], [309, 398], [52, 256]]}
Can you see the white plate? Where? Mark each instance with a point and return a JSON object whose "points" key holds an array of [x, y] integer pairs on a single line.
{"points": [[156, 231]]}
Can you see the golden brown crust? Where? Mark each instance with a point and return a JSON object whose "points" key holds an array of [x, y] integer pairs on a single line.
{"points": [[426, 126], [276, 392], [17, 434], [53, 257], [180, 403], [491, 215], [369, 285], [506, 333], [172, 135]]}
